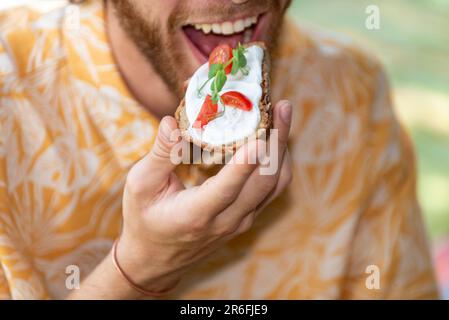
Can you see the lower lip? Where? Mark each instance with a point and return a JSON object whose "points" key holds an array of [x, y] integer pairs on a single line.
{"points": [[201, 58]]}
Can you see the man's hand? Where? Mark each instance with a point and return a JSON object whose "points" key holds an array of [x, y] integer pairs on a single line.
{"points": [[168, 228]]}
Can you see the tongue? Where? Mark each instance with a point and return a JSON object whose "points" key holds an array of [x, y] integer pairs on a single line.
{"points": [[207, 42]]}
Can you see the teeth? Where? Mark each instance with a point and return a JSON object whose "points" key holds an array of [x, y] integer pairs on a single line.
{"points": [[216, 28], [207, 28], [227, 27], [248, 22], [239, 26]]}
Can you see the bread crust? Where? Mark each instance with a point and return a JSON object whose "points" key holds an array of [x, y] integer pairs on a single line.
{"points": [[265, 107]]}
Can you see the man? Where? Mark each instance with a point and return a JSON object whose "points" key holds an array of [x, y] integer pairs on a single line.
{"points": [[83, 92]]}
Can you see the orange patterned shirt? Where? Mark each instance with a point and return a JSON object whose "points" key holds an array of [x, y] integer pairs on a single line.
{"points": [[70, 131]]}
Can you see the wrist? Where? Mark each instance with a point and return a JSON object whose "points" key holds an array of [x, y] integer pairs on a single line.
{"points": [[142, 275], [104, 283]]}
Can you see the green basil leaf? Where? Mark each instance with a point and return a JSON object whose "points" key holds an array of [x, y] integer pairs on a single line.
{"points": [[220, 80], [235, 53], [235, 66], [242, 59], [214, 69]]}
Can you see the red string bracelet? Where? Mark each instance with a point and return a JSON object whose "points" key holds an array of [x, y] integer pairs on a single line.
{"points": [[131, 283]]}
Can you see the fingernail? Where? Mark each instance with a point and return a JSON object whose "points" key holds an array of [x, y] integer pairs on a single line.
{"points": [[165, 129], [286, 112]]}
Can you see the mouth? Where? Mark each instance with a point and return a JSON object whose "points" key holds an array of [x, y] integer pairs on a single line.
{"points": [[204, 37]]}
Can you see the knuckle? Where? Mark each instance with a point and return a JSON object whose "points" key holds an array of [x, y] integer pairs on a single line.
{"points": [[193, 226], [160, 151], [245, 228], [240, 226], [164, 145], [198, 227], [247, 223], [251, 206], [227, 196], [134, 182], [228, 229]]}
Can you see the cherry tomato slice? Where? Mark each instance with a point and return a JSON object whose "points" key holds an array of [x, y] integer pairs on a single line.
{"points": [[207, 113], [221, 54], [237, 100]]}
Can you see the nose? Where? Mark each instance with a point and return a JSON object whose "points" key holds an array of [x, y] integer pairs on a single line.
{"points": [[239, 1]]}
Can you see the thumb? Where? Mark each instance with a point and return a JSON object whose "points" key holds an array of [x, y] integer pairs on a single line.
{"points": [[153, 170], [167, 137]]}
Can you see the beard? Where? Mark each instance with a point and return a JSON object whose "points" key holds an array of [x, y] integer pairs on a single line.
{"points": [[159, 44]]}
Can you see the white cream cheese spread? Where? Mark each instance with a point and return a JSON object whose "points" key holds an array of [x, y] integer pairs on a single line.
{"points": [[235, 124]]}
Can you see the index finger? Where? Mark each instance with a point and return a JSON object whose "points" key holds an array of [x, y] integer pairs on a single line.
{"points": [[219, 191]]}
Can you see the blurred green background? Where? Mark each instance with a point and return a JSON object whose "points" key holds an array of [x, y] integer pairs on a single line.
{"points": [[413, 44]]}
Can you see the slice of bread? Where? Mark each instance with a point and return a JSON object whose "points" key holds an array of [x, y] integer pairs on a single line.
{"points": [[266, 117]]}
